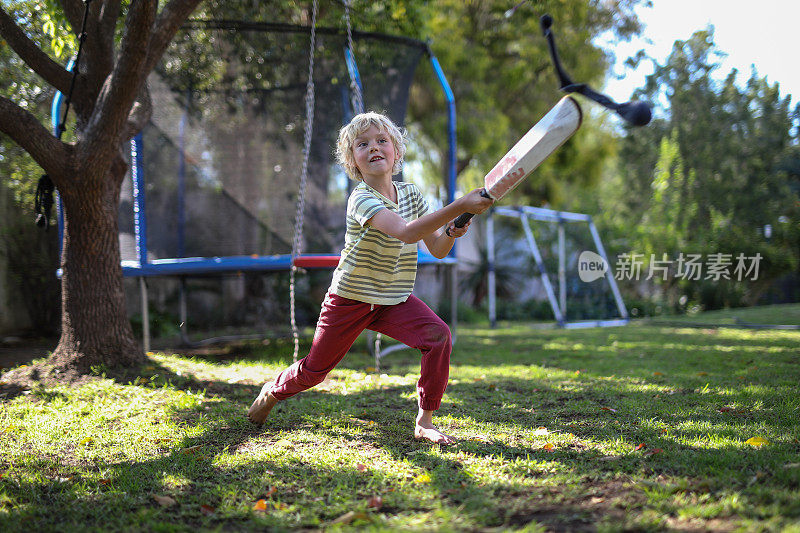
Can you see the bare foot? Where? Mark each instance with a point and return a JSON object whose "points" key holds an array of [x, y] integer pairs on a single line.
{"points": [[262, 405], [427, 431]]}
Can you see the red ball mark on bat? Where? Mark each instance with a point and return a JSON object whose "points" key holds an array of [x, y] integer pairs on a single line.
{"points": [[518, 174], [500, 169]]}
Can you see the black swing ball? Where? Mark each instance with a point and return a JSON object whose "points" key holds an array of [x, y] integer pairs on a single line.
{"points": [[636, 113], [545, 22]]}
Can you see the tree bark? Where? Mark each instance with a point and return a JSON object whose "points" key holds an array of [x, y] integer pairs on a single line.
{"points": [[95, 326]]}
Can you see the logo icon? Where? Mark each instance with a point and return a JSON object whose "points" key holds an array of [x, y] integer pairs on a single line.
{"points": [[591, 266]]}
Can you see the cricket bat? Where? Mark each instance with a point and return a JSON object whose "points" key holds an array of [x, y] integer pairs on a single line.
{"points": [[542, 139]]}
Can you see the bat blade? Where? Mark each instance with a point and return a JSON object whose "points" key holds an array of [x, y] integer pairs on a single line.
{"points": [[534, 147], [531, 150]]}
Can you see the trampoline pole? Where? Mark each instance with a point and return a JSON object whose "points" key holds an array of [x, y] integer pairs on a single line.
{"points": [[145, 315], [183, 328], [562, 268], [492, 275]]}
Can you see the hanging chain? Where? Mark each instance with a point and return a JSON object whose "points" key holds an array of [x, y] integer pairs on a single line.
{"points": [[297, 242], [45, 188], [75, 64], [355, 88]]}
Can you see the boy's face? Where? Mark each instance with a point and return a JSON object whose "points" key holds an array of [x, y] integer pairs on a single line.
{"points": [[374, 153]]}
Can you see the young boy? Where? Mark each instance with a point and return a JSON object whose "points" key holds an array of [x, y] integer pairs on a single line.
{"points": [[371, 287]]}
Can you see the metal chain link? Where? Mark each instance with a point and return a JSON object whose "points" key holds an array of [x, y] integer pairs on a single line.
{"points": [[297, 242], [355, 89]]}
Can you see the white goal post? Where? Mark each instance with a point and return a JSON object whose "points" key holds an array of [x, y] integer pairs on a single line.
{"points": [[525, 214]]}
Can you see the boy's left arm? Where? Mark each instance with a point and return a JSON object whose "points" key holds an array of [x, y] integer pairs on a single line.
{"points": [[439, 243]]}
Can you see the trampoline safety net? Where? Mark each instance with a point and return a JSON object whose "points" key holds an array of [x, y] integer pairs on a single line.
{"points": [[220, 159]]}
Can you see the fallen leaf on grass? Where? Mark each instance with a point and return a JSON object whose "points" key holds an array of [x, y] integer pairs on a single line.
{"points": [[757, 441], [653, 451], [103, 481], [207, 510], [702, 373], [609, 409], [541, 430], [658, 373], [375, 502], [422, 478], [261, 505], [349, 516], [164, 501], [361, 467], [191, 449], [639, 446], [548, 447]]}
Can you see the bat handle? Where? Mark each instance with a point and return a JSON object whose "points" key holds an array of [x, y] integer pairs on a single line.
{"points": [[462, 220]]}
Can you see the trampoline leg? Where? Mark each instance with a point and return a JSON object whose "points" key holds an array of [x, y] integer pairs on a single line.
{"points": [[145, 315], [377, 348], [183, 327]]}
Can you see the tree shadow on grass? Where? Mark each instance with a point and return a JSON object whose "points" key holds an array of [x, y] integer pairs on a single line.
{"points": [[380, 421]]}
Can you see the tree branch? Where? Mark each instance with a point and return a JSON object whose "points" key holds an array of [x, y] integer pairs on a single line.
{"points": [[109, 13], [97, 52], [140, 113], [32, 55], [25, 130], [73, 11], [121, 88], [99, 44], [168, 23]]}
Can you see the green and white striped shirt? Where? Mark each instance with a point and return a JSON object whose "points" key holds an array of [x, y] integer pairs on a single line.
{"points": [[374, 267]]}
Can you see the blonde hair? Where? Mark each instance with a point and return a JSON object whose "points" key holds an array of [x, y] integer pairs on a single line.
{"points": [[357, 126]]}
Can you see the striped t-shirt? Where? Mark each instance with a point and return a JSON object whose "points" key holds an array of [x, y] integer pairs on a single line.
{"points": [[374, 267]]}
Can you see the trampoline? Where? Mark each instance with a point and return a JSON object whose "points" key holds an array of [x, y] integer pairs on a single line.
{"points": [[214, 174]]}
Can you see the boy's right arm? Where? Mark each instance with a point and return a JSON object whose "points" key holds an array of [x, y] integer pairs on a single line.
{"points": [[393, 224]]}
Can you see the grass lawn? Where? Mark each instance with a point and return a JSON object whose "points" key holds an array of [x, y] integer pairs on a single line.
{"points": [[643, 427], [781, 314]]}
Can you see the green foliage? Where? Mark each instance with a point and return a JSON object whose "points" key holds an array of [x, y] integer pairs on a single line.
{"points": [[45, 24], [503, 81], [712, 171]]}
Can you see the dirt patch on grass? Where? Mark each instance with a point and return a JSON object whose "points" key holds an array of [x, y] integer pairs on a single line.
{"points": [[607, 501], [15, 351], [28, 377]]}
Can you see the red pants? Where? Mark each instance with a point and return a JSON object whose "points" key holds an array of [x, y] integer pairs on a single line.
{"points": [[342, 320]]}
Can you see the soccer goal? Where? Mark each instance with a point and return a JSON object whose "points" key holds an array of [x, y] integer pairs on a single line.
{"points": [[563, 252]]}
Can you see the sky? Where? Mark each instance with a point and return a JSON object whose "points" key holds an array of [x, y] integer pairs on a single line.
{"points": [[764, 33]]}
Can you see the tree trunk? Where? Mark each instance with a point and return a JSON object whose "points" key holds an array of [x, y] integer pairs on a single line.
{"points": [[95, 326]]}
